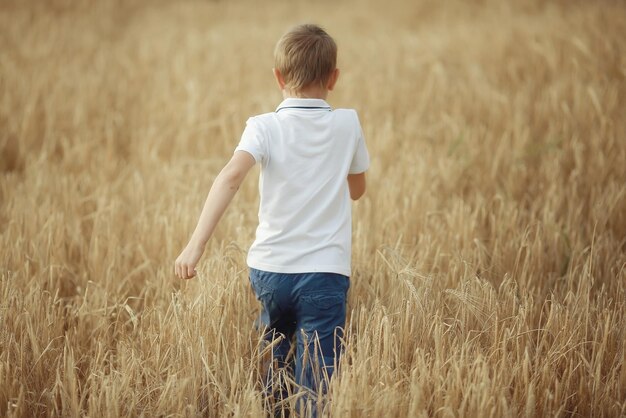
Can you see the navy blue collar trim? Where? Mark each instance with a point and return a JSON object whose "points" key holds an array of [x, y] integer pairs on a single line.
{"points": [[304, 107]]}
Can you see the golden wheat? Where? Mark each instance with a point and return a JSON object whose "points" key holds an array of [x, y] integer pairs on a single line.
{"points": [[489, 251]]}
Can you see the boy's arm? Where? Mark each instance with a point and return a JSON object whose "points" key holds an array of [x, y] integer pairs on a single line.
{"points": [[222, 192], [356, 184]]}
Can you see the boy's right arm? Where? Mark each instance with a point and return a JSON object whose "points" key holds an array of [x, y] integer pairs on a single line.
{"points": [[356, 184], [222, 192]]}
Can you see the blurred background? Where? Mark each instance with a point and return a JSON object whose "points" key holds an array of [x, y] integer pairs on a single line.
{"points": [[489, 251]]}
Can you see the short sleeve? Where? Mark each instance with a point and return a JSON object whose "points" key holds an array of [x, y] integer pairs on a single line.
{"points": [[361, 159], [253, 141]]}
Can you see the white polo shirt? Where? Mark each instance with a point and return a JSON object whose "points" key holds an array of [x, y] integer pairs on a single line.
{"points": [[306, 151]]}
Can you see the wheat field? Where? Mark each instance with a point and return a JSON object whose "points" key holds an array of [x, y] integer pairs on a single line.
{"points": [[489, 252]]}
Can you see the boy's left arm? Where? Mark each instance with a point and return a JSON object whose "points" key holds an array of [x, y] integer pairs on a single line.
{"points": [[222, 192], [356, 185]]}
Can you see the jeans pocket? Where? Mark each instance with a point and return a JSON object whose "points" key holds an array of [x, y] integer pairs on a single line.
{"points": [[260, 285], [323, 301]]}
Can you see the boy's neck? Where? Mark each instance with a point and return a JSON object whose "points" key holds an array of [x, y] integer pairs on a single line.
{"points": [[306, 93]]}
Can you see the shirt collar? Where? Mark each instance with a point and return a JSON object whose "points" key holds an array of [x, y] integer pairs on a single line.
{"points": [[298, 103]]}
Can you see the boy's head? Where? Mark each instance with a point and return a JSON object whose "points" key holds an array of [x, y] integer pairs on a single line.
{"points": [[306, 56]]}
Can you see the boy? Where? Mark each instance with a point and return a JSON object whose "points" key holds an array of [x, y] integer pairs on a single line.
{"points": [[313, 160]]}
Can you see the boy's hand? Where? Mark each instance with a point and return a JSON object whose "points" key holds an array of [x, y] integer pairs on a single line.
{"points": [[185, 266]]}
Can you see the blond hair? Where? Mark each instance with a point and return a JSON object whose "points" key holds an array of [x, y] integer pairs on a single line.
{"points": [[305, 56]]}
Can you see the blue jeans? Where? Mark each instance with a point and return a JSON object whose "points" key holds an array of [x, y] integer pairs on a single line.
{"points": [[312, 308]]}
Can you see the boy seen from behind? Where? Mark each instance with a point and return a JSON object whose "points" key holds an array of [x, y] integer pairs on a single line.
{"points": [[313, 160]]}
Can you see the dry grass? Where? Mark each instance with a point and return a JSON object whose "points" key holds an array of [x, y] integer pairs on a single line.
{"points": [[489, 252]]}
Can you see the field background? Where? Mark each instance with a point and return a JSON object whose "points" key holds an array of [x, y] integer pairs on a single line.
{"points": [[489, 251]]}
